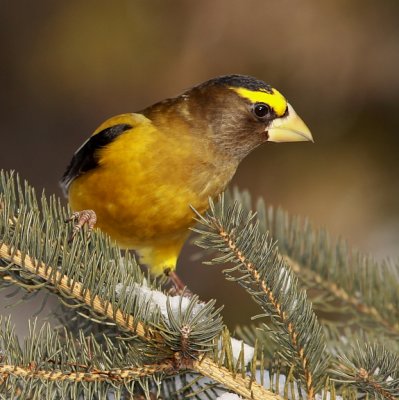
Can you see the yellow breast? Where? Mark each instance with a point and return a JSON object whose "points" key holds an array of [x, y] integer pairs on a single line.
{"points": [[144, 185]]}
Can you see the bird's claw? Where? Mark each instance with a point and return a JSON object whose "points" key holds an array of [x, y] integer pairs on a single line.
{"points": [[84, 217], [178, 288]]}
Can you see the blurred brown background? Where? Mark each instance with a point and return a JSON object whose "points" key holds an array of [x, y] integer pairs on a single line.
{"points": [[68, 65]]}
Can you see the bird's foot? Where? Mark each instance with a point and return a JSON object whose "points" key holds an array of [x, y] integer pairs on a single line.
{"points": [[178, 286], [81, 218]]}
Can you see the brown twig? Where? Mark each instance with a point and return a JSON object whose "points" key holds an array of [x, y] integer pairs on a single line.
{"points": [[237, 383], [115, 375]]}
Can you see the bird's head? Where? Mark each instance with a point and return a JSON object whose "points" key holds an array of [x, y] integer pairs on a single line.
{"points": [[242, 112]]}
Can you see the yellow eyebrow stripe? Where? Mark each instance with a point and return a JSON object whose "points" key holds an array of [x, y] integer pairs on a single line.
{"points": [[275, 99]]}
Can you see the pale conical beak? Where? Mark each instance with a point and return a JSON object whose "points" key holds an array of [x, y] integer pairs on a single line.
{"points": [[289, 129]]}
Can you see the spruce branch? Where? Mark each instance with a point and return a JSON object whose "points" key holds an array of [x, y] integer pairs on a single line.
{"points": [[372, 369], [341, 338], [154, 345], [340, 279], [35, 255], [51, 360], [74, 289], [370, 313], [258, 268], [115, 375]]}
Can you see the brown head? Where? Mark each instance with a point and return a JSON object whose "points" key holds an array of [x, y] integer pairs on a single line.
{"points": [[236, 113]]}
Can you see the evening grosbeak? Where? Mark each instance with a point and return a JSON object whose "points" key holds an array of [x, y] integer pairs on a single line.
{"points": [[140, 172]]}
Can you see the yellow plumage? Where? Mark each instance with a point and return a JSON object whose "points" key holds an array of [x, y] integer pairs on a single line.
{"points": [[141, 196], [140, 172]]}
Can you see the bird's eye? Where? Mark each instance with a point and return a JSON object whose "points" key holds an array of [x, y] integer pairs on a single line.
{"points": [[261, 110]]}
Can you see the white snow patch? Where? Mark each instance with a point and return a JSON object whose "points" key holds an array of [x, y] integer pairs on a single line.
{"points": [[327, 397], [157, 299], [236, 346], [229, 396]]}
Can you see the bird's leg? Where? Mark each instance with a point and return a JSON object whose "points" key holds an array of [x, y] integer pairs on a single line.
{"points": [[84, 217], [179, 288]]}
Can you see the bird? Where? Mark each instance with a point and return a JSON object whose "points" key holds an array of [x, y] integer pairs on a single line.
{"points": [[138, 175]]}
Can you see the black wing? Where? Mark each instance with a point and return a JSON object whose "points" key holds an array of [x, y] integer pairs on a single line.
{"points": [[85, 157]]}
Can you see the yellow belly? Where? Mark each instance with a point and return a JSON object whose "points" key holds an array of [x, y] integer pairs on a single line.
{"points": [[142, 191]]}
